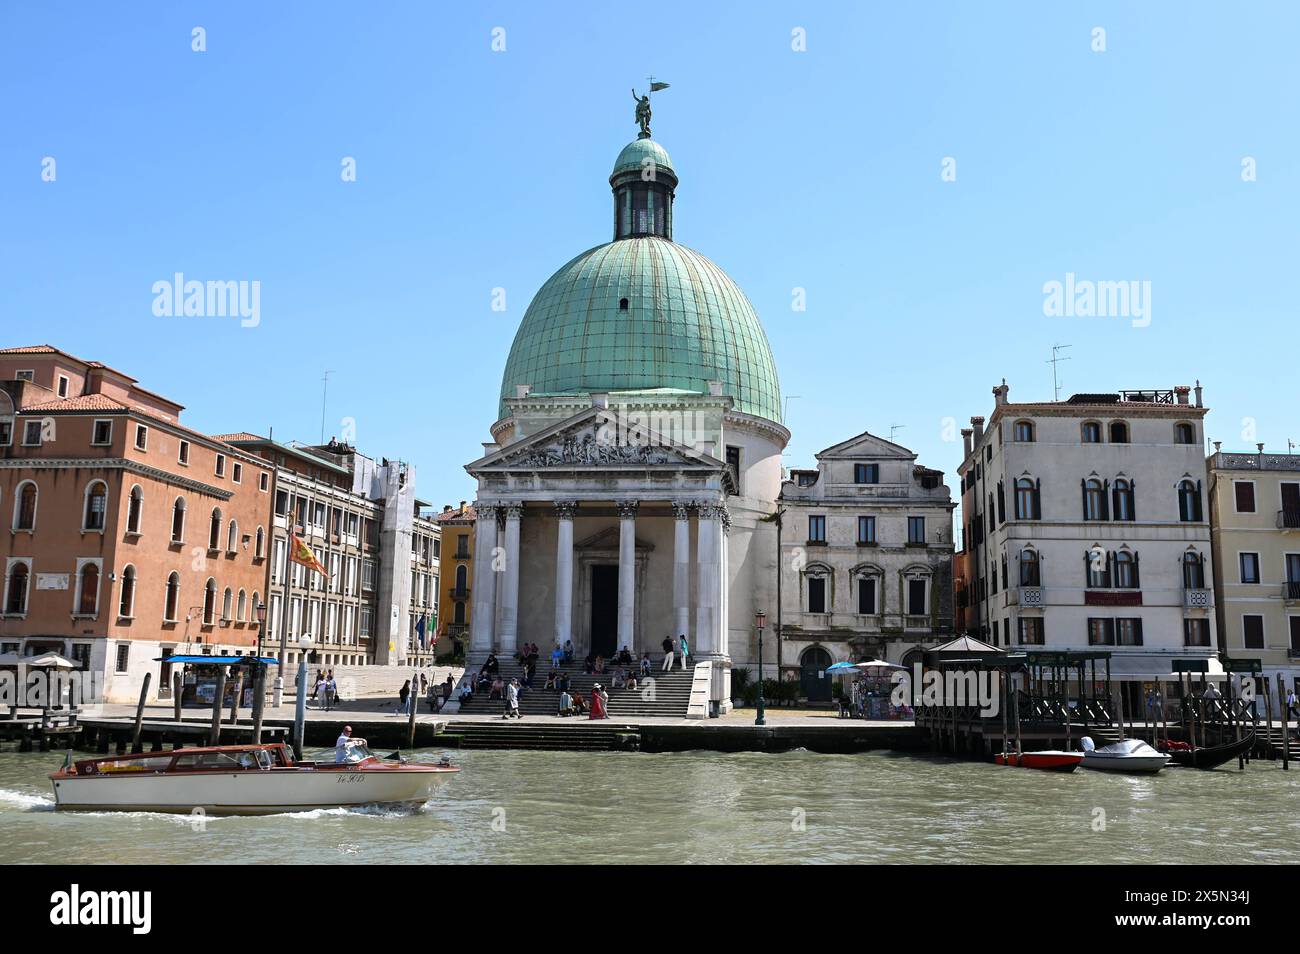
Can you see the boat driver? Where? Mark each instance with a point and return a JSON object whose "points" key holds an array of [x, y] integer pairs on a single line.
{"points": [[344, 744]]}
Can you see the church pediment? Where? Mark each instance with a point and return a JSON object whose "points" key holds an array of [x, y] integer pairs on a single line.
{"points": [[866, 445], [598, 438]]}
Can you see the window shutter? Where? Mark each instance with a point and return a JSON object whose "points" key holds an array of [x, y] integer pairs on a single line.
{"points": [[1002, 504], [1038, 506], [1087, 568], [1137, 630], [1110, 569], [1199, 512], [1132, 500], [1137, 578], [1083, 488], [1105, 492], [1110, 631]]}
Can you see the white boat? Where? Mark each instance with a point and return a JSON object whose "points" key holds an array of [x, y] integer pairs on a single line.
{"points": [[1126, 755], [242, 780]]}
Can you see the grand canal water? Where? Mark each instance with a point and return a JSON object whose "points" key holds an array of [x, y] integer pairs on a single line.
{"points": [[706, 807]]}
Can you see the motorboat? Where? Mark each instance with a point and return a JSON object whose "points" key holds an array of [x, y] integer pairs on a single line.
{"points": [[1126, 755], [1049, 760], [243, 780]]}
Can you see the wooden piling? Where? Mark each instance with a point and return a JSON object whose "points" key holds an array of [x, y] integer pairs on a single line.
{"points": [[259, 702], [214, 734], [139, 712], [239, 692], [1282, 717], [1002, 674], [1015, 709], [1268, 715], [177, 687], [414, 698]]}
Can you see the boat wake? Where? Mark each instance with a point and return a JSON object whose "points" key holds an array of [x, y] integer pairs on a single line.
{"points": [[26, 801], [371, 811]]}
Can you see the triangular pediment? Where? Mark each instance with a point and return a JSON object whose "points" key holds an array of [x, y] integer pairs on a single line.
{"points": [[868, 446], [608, 539], [597, 438]]}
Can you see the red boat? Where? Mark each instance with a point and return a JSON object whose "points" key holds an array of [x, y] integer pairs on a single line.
{"points": [[1049, 760]]}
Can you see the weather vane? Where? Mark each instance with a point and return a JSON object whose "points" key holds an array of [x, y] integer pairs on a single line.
{"points": [[643, 107]]}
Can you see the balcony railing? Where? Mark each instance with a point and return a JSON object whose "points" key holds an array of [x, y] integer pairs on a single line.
{"points": [[1288, 519], [1196, 598], [460, 592], [1291, 591]]}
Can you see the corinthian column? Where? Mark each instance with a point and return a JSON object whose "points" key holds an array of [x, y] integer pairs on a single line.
{"points": [[509, 636], [681, 569], [708, 555], [627, 574], [482, 633], [564, 511]]}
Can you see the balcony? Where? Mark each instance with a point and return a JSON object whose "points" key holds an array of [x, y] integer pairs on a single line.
{"points": [[1195, 598], [1031, 596], [460, 592], [1288, 519], [1291, 592]]}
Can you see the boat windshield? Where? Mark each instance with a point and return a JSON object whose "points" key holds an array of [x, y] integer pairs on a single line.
{"points": [[357, 752]]}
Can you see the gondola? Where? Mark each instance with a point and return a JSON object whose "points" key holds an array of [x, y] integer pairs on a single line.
{"points": [[1212, 756]]}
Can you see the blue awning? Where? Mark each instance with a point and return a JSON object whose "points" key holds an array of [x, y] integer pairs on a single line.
{"points": [[218, 660]]}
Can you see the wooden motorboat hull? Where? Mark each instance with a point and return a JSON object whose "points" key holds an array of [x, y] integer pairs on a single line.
{"points": [[1100, 762], [1047, 761], [1212, 756], [298, 788]]}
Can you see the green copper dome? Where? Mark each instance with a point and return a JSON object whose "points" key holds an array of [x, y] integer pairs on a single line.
{"points": [[642, 313], [634, 154]]}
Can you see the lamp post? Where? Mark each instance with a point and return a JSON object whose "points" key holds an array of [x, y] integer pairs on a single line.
{"points": [[261, 625], [760, 621]]}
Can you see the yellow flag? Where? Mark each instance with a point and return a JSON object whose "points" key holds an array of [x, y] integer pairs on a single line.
{"points": [[299, 552]]}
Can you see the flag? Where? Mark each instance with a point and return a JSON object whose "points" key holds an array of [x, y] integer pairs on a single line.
{"points": [[656, 87], [299, 552], [419, 630]]}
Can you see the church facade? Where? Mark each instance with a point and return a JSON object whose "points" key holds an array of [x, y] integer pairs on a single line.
{"points": [[629, 489]]}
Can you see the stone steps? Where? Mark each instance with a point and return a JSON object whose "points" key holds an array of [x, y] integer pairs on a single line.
{"points": [[671, 694], [595, 737]]}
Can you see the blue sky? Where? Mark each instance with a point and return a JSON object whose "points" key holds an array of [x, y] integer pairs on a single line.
{"points": [[818, 169]]}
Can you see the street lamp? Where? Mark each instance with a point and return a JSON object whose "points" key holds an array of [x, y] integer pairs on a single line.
{"points": [[760, 621], [261, 625]]}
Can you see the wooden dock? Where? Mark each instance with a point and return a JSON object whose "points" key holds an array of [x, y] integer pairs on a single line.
{"points": [[105, 735]]}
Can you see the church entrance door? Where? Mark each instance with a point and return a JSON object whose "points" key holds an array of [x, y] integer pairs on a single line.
{"points": [[604, 609]]}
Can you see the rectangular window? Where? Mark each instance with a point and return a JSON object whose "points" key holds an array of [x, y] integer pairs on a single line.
{"points": [[916, 530], [1031, 631], [6, 433], [221, 465], [866, 595], [1196, 632], [1252, 632], [264, 482], [1249, 567], [866, 529], [1294, 623], [63, 385], [237, 473], [183, 454], [31, 433], [733, 465], [141, 437], [103, 433], [368, 574], [817, 529], [916, 604], [123, 657], [1101, 632], [1244, 491], [1128, 631], [25, 375], [816, 594], [866, 473], [367, 613]]}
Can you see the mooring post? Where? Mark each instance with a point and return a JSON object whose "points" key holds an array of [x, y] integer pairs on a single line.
{"points": [[410, 720], [139, 713], [234, 705], [1268, 717], [259, 702], [300, 708], [177, 686], [1282, 717], [214, 734]]}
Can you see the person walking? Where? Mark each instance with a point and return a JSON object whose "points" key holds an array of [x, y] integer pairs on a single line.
{"points": [[512, 701], [327, 691], [404, 697], [315, 686], [685, 650], [1291, 705], [668, 653]]}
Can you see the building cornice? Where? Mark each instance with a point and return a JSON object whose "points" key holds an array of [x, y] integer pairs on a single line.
{"points": [[115, 463]]}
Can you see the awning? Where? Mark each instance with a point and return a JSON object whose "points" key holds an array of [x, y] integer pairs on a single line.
{"points": [[218, 660], [1159, 666]]}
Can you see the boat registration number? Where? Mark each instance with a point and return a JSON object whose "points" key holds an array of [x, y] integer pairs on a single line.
{"points": [[350, 778]]}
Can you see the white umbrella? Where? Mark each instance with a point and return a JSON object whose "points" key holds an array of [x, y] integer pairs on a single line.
{"points": [[49, 661], [877, 664]]}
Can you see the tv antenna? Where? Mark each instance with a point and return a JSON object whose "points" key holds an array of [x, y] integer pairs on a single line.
{"points": [[1056, 359], [325, 387], [894, 429]]}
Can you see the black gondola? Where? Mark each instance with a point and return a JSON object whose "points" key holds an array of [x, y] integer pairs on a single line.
{"points": [[1212, 756]]}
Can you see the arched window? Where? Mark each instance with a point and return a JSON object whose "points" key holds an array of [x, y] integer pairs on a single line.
{"points": [[1193, 571], [178, 521], [25, 506], [1024, 431], [214, 530], [260, 551], [1094, 499], [232, 537], [96, 506], [461, 577], [866, 591], [134, 509], [458, 614], [1189, 501], [241, 607], [209, 602], [227, 605], [1184, 433], [1091, 432], [1098, 563], [173, 597], [1118, 432], [126, 600], [88, 590], [16, 589], [1030, 569], [1122, 500], [1126, 570], [252, 607], [1028, 506]]}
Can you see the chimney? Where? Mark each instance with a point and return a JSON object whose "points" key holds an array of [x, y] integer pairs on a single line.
{"points": [[1217, 446], [1000, 392], [966, 433], [977, 424], [1181, 392], [446, 508], [1197, 389], [462, 506]]}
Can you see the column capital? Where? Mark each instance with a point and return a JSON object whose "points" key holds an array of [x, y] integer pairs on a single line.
{"points": [[682, 509], [565, 509], [713, 512], [512, 511], [627, 508], [483, 510]]}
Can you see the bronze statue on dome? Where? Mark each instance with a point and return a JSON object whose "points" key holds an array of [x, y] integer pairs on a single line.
{"points": [[643, 108]]}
